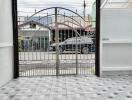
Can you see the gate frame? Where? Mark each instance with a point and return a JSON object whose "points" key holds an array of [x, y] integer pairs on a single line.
{"points": [[15, 39]]}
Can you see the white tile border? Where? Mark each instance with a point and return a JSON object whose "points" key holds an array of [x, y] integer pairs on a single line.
{"points": [[5, 44], [117, 41]]}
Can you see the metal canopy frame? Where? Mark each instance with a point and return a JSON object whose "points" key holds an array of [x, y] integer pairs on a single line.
{"points": [[117, 4]]}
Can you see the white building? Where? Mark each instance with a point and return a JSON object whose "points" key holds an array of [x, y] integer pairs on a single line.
{"points": [[34, 36]]}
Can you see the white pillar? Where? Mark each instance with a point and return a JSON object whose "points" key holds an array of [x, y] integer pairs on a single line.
{"points": [[6, 42]]}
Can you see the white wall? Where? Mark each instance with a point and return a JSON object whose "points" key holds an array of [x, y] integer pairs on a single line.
{"points": [[6, 40], [117, 55], [116, 26]]}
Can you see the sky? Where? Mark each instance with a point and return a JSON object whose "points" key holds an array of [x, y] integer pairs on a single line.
{"points": [[28, 7]]}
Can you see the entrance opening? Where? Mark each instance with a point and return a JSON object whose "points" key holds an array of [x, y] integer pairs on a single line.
{"points": [[56, 40]]}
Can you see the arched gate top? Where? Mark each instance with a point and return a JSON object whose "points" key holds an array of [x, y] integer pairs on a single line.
{"points": [[57, 8]]}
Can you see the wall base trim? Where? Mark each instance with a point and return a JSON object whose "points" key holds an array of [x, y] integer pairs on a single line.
{"points": [[123, 68], [117, 71]]}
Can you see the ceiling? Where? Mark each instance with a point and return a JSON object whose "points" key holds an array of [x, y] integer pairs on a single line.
{"points": [[116, 4]]}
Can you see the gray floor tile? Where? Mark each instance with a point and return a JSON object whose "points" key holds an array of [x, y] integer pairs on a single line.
{"points": [[69, 88]]}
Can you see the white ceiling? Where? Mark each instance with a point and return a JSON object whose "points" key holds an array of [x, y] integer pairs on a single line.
{"points": [[117, 4]]}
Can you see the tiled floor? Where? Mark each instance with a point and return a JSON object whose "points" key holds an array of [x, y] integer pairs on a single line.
{"points": [[68, 88]]}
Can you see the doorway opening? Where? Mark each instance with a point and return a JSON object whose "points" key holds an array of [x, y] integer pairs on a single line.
{"points": [[57, 41]]}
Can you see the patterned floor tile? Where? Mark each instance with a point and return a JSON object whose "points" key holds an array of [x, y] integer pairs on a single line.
{"points": [[68, 88]]}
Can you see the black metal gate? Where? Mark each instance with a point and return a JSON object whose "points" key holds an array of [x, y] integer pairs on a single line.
{"points": [[57, 43]]}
